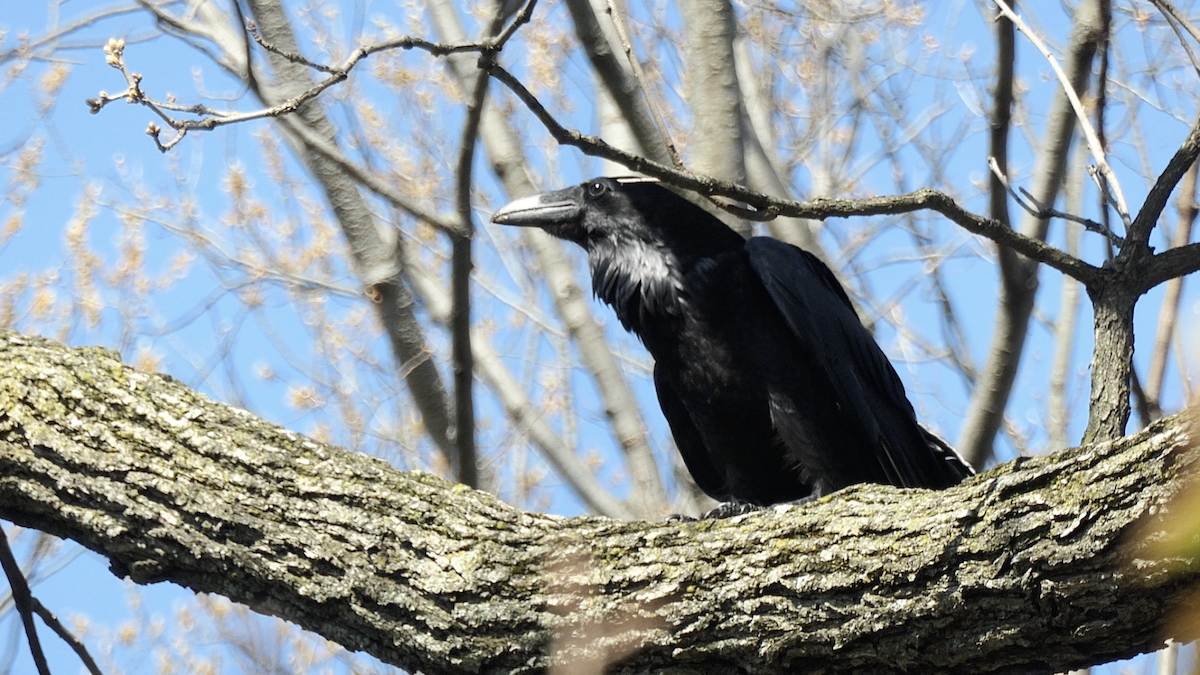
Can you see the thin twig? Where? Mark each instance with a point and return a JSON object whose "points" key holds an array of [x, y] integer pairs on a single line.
{"points": [[768, 207], [640, 76], [1041, 211], [523, 17], [1171, 12], [366, 178], [211, 119], [1089, 132], [23, 600], [252, 29], [1176, 21], [1185, 205]]}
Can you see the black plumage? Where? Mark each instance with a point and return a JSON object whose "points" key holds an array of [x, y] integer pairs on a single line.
{"points": [[773, 388]]}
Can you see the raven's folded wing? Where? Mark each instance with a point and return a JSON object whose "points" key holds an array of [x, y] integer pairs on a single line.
{"points": [[869, 391]]}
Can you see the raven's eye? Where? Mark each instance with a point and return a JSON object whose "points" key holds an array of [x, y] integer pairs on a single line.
{"points": [[596, 188]]}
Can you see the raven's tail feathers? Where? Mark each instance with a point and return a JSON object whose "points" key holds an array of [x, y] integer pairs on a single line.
{"points": [[956, 469]]}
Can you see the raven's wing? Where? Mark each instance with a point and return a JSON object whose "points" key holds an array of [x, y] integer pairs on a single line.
{"points": [[869, 391], [688, 440]]}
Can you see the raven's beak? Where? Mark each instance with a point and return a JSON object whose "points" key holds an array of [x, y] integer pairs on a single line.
{"points": [[545, 210]]}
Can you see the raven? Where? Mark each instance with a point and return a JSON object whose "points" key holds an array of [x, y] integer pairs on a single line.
{"points": [[773, 389]]}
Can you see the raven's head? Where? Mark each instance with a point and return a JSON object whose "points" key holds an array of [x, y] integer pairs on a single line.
{"points": [[596, 210], [608, 212], [641, 239]]}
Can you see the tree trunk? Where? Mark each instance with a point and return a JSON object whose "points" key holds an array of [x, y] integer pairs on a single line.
{"points": [[1028, 567]]}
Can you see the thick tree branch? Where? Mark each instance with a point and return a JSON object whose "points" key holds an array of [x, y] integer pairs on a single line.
{"points": [[1171, 264], [1029, 567]]}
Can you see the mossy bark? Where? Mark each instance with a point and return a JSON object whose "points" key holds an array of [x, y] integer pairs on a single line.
{"points": [[1029, 567]]}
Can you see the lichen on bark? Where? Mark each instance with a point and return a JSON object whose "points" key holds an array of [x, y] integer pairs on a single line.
{"points": [[1027, 567]]}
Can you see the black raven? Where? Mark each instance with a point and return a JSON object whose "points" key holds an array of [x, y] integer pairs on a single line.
{"points": [[772, 387]]}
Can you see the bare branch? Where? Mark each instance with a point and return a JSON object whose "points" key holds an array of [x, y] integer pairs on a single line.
{"points": [[1156, 199], [212, 119], [23, 600], [767, 207], [618, 79], [1168, 313], [1089, 132], [1171, 264], [1019, 275], [1176, 20], [1041, 211], [526, 417], [378, 259], [507, 159], [462, 355], [618, 22]]}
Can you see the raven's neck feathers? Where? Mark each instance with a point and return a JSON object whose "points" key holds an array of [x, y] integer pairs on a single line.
{"points": [[641, 280]]}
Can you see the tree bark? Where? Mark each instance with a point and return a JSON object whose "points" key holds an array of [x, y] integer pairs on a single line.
{"points": [[1028, 567]]}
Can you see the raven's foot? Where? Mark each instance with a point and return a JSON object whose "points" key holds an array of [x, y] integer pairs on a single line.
{"points": [[723, 510], [731, 509]]}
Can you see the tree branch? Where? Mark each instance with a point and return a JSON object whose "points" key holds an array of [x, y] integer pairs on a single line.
{"points": [[1031, 564], [767, 207], [1156, 199], [23, 600], [508, 161], [1018, 276], [377, 259]]}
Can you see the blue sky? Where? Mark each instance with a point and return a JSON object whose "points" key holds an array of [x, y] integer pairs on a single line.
{"points": [[110, 152]]}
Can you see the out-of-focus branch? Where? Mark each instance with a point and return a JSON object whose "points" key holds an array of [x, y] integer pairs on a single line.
{"points": [[717, 145], [1058, 392], [762, 168], [508, 161], [1018, 276], [27, 49], [1168, 313], [618, 76], [1068, 88], [618, 23], [765, 207], [379, 262], [526, 417], [1171, 12]]}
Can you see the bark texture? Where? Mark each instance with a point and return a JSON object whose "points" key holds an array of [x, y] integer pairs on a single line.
{"points": [[1027, 568]]}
